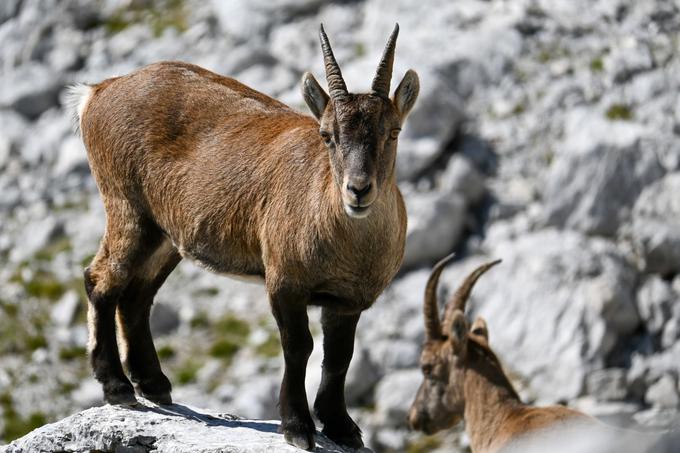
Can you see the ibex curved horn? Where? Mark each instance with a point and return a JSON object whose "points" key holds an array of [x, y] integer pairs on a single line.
{"points": [[383, 76], [336, 84], [462, 294], [433, 330]]}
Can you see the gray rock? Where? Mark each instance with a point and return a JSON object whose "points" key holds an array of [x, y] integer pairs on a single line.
{"points": [[244, 19], [257, 397], [68, 49], [645, 371], [592, 186], [655, 301], [618, 414], [609, 384], [395, 353], [656, 225], [394, 396], [88, 394], [35, 236], [164, 319], [30, 90], [8, 9], [14, 129], [435, 224], [176, 428], [461, 176], [630, 57], [559, 301], [398, 312], [66, 309], [664, 392], [42, 146], [671, 331], [72, 158], [361, 378]]}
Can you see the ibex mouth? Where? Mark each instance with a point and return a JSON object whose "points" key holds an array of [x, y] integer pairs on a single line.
{"points": [[357, 212]]}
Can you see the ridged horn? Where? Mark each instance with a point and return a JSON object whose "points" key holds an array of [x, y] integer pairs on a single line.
{"points": [[383, 76], [336, 84], [433, 330], [462, 294]]}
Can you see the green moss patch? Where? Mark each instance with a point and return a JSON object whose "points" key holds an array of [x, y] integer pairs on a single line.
{"points": [[159, 16], [15, 425], [424, 444], [187, 373], [619, 112]]}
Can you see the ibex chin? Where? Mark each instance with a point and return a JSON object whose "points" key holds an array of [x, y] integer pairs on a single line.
{"points": [[464, 380], [191, 164]]}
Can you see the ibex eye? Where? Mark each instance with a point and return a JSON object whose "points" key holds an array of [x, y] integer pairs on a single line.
{"points": [[327, 139], [394, 133]]}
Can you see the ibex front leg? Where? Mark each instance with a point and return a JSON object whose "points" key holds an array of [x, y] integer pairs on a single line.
{"points": [[290, 311], [338, 346]]}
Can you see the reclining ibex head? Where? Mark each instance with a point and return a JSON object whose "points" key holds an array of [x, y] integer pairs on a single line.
{"points": [[440, 402], [360, 130]]}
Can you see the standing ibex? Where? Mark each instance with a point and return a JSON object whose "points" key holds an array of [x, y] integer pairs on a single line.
{"points": [[192, 164], [463, 379]]}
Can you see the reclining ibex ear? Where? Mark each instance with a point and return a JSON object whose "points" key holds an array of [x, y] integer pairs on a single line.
{"points": [[458, 332], [480, 329]]}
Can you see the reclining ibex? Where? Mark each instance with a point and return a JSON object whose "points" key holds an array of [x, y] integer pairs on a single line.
{"points": [[194, 165], [463, 379]]}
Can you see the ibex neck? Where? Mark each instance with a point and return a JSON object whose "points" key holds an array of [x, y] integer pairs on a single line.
{"points": [[490, 400]]}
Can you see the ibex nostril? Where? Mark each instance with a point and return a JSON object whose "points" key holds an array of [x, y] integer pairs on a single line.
{"points": [[359, 190]]}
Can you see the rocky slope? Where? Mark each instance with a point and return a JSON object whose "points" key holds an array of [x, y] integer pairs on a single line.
{"points": [[546, 134]]}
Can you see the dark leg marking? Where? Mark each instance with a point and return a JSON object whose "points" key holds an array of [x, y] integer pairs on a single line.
{"points": [[329, 406], [296, 421]]}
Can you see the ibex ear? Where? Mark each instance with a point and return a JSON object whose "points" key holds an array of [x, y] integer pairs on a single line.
{"points": [[315, 97], [406, 93], [479, 328], [458, 331]]}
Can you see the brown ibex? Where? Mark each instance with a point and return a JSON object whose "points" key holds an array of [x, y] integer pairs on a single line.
{"points": [[464, 380], [191, 164]]}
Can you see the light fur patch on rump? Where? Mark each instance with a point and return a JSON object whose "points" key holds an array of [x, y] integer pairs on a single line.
{"points": [[77, 97]]}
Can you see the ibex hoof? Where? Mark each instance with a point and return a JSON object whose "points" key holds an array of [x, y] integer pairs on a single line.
{"points": [[343, 431], [300, 436], [351, 440], [120, 395], [162, 399]]}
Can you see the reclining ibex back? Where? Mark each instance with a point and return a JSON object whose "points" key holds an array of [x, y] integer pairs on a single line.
{"points": [[194, 165]]}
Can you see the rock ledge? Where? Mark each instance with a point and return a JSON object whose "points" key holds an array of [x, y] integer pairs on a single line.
{"points": [[147, 427]]}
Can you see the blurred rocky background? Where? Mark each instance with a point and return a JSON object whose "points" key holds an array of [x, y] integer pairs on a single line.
{"points": [[546, 134]]}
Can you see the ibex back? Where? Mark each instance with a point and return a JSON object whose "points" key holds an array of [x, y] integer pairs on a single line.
{"points": [[194, 165]]}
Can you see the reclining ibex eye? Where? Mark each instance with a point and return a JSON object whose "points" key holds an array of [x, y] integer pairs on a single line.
{"points": [[394, 134], [327, 138]]}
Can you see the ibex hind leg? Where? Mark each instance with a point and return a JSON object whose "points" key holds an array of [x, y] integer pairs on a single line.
{"points": [[105, 282], [139, 354]]}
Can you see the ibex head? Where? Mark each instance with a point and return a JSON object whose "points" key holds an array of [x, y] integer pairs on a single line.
{"points": [[360, 130], [440, 402]]}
